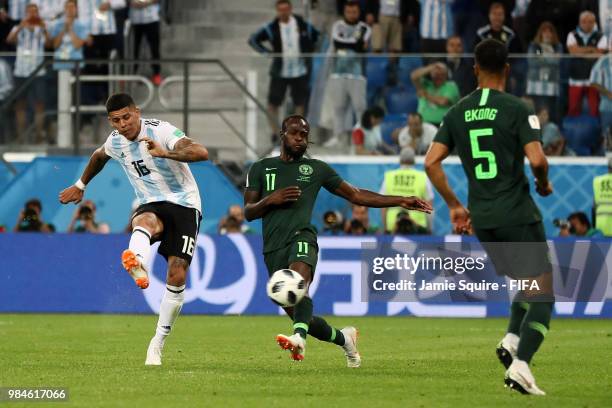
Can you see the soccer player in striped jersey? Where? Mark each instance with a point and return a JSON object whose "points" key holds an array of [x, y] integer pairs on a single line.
{"points": [[492, 133], [153, 154]]}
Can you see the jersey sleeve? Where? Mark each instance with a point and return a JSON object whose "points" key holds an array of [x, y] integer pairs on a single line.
{"points": [[331, 179], [169, 135], [108, 146], [253, 181], [444, 134], [528, 125]]}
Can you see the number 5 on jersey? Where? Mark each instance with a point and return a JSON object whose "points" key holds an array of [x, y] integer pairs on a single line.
{"points": [[188, 245], [477, 153]]}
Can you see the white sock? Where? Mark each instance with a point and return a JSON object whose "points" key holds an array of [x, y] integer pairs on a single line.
{"points": [[511, 340], [171, 305], [140, 243]]}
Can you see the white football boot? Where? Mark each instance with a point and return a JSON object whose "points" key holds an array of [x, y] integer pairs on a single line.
{"points": [[507, 348], [353, 359], [519, 378], [154, 352], [295, 344]]}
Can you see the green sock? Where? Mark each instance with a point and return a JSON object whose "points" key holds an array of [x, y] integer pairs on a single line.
{"points": [[534, 328], [302, 315], [517, 313], [321, 330]]}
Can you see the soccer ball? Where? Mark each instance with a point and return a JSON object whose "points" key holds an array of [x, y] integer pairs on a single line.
{"points": [[286, 287]]}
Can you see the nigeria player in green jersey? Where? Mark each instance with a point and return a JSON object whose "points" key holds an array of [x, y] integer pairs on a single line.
{"points": [[492, 133], [282, 190]]}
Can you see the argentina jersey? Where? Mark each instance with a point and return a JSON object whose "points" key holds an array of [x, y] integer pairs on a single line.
{"points": [[155, 179]]}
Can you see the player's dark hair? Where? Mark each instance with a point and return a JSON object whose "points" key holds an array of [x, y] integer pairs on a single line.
{"points": [[290, 118], [118, 101], [279, 2], [582, 217], [351, 3], [491, 56], [369, 114]]}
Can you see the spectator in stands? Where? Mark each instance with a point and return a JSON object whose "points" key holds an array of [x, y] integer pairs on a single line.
{"points": [[554, 144], [367, 138], [562, 14], [578, 225], [436, 25], [347, 82], [84, 220], [436, 95], [30, 37], [361, 215], [386, 18], [543, 73], [234, 219], [290, 35], [497, 30], [69, 35], [601, 80], [98, 17], [585, 43], [404, 225], [602, 201], [416, 134], [461, 69], [332, 223], [356, 227], [6, 86], [406, 181], [144, 16], [30, 218]]}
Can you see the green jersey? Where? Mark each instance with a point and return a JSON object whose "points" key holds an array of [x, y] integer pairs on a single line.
{"points": [[489, 128], [282, 224]]}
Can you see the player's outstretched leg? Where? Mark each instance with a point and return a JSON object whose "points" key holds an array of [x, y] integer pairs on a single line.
{"points": [[533, 329], [171, 305], [508, 346], [345, 338], [296, 344], [134, 257]]}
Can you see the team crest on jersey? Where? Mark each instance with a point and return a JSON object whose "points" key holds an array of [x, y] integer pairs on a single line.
{"points": [[305, 169]]}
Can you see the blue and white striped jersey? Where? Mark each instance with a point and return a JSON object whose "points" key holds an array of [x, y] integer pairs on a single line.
{"points": [[98, 22], [155, 179], [436, 19], [145, 15], [30, 51], [16, 9]]}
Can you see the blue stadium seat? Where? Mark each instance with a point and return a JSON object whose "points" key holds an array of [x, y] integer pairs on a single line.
{"points": [[401, 100], [583, 134], [405, 67], [390, 123], [376, 72]]}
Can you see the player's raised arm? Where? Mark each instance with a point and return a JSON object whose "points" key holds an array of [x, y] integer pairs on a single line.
{"points": [[433, 167], [369, 198], [184, 150], [74, 193]]}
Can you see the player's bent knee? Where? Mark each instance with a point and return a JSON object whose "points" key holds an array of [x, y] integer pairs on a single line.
{"points": [[148, 221], [177, 271]]}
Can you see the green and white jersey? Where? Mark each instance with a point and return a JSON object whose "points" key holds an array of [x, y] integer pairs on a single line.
{"points": [[489, 128], [282, 224]]}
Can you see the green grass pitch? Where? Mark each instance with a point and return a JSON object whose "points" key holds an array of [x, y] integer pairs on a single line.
{"points": [[218, 361]]}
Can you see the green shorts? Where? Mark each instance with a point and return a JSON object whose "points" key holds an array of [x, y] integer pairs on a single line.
{"points": [[300, 250], [517, 251]]}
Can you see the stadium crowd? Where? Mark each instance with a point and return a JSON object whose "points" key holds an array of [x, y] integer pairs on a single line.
{"points": [[567, 66], [69, 30]]}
